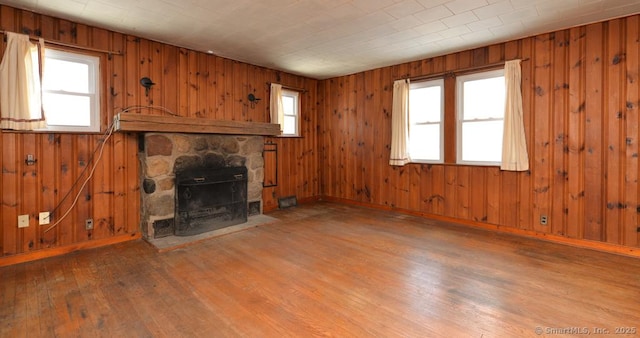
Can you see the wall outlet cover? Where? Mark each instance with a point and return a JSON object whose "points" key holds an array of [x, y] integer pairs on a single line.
{"points": [[23, 221]]}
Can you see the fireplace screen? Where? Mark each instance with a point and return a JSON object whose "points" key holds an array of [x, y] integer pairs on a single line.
{"points": [[210, 199]]}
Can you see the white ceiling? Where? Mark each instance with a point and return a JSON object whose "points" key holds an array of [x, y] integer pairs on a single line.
{"points": [[327, 38]]}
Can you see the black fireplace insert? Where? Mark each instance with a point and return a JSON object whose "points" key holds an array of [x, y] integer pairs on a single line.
{"points": [[210, 199]]}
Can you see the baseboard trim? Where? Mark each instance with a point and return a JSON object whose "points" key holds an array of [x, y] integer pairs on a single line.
{"points": [[574, 242], [58, 251]]}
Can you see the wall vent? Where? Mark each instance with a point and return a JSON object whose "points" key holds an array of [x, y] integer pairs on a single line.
{"points": [[254, 208], [163, 228], [287, 202]]}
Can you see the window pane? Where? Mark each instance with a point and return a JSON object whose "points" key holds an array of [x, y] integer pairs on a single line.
{"points": [[289, 103], [483, 98], [482, 141], [66, 75], [424, 142], [424, 104], [67, 110], [289, 127]]}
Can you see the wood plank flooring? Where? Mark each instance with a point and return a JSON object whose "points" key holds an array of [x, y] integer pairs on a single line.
{"points": [[326, 269]]}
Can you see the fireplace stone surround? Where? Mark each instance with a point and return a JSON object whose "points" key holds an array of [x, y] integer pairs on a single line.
{"points": [[163, 154]]}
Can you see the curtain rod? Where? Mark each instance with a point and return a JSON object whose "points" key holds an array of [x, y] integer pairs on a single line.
{"points": [[460, 71], [62, 44], [290, 87]]}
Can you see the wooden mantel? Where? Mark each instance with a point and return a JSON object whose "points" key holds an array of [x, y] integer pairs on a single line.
{"points": [[176, 124]]}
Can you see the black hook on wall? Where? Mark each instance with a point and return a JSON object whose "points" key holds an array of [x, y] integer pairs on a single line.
{"points": [[253, 100], [146, 83]]}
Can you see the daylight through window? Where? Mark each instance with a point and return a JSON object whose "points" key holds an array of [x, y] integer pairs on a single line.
{"points": [[291, 107], [70, 91], [426, 112], [480, 111]]}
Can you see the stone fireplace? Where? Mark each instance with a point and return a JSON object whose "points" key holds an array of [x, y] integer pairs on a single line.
{"points": [[162, 155]]}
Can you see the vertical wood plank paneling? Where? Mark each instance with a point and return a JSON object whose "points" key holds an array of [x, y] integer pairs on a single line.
{"points": [[559, 147], [47, 184], [462, 191], [30, 194], [192, 85], [183, 89], [209, 93], [613, 136], [477, 203], [10, 190], [576, 132], [219, 88], [632, 101], [541, 129], [170, 84], [155, 73], [594, 175], [359, 166], [368, 142], [228, 82], [376, 143], [65, 230], [118, 97], [494, 187]]}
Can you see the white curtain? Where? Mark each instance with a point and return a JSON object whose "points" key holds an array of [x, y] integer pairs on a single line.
{"points": [[276, 106], [400, 124], [20, 90], [514, 142]]}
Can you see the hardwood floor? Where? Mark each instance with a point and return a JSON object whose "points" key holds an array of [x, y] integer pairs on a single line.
{"points": [[326, 269]]}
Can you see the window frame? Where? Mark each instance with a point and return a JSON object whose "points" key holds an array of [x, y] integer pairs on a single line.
{"points": [[459, 111], [94, 76], [438, 82], [296, 99]]}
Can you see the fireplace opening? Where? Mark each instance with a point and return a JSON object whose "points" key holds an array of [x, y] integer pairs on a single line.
{"points": [[210, 199]]}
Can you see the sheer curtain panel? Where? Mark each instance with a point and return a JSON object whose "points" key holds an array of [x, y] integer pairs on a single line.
{"points": [[276, 106], [20, 90], [514, 140], [400, 124]]}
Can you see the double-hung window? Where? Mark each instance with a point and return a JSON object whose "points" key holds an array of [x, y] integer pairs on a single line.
{"points": [[480, 106], [291, 109], [426, 112], [70, 91]]}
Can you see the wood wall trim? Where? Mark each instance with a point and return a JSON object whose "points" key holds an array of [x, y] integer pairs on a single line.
{"points": [[574, 242], [63, 250]]}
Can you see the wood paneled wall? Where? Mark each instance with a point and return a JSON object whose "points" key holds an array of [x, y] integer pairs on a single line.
{"points": [[188, 83], [581, 97]]}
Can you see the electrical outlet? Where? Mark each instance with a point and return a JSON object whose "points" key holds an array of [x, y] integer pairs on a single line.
{"points": [[23, 221], [543, 219], [43, 218], [88, 223]]}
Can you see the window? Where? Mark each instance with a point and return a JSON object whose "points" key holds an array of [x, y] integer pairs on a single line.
{"points": [[70, 91], [480, 110], [426, 110], [291, 107]]}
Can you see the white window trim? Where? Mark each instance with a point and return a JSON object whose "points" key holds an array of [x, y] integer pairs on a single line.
{"points": [[94, 88], [296, 95], [459, 112], [424, 84]]}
